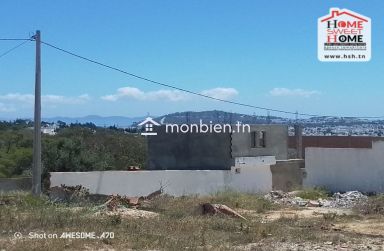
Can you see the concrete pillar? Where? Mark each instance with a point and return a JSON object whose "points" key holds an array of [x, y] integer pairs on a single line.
{"points": [[299, 140]]}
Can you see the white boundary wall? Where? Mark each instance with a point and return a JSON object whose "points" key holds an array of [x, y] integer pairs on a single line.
{"points": [[253, 175], [345, 169]]}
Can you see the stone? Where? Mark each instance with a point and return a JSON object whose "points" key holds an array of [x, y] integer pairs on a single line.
{"points": [[299, 202], [313, 203]]}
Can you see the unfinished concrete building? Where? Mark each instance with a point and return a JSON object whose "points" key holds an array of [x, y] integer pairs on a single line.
{"points": [[202, 163], [215, 151]]}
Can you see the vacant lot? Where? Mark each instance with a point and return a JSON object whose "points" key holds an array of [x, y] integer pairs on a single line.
{"points": [[167, 223]]}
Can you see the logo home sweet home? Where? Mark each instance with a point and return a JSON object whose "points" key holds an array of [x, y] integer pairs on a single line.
{"points": [[344, 36], [149, 124]]}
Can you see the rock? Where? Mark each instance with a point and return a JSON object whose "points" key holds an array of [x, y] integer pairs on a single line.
{"points": [[313, 203], [324, 203], [299, 202]]}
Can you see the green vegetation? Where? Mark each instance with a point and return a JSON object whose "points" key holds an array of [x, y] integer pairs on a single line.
{"points": [[15, 148], [77, 147], [313, 193]]}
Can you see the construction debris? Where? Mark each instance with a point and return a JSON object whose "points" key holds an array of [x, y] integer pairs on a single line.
{"points": [[68, 193], [154, 194], [127, 213], [212, 209], [78, 193], [348, 199], [338, 200], [115, 201], [127, 206]]}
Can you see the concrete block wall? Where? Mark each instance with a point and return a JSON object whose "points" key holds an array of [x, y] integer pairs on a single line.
{"points": [[345, 169], [276, 142], [252, 175], [15, 184], [190, 151], [287, 175]]}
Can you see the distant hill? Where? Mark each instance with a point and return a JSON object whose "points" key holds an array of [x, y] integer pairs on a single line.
{"points": [[176, 118], [217, 117]]}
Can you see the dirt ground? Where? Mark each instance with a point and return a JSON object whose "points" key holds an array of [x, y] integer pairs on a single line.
{"points": [[363, 233], [167, 223], [365, 227]]}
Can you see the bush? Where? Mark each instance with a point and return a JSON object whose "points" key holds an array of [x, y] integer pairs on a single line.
{"points": [[313, 193]]}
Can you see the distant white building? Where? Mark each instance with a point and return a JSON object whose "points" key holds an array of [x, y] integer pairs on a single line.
{"points": [[49, 129]]}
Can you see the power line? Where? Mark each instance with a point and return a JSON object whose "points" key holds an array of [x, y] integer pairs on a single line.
{"points": [[170, 86], [193, 92], [15, 39], [13, 48]]}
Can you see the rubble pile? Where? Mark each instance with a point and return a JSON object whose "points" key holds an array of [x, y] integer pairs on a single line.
{"points": [[127, 206], [116, 201], [338, 200], [65, 193], [111, 205], [348, 199]]}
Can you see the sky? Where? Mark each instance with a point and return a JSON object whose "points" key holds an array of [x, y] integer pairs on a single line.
{"points": [[262, 53]]}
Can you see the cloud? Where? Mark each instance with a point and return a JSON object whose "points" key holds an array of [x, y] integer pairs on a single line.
{"points": [[56, 99], [129, 92], [17, 97], [47, 99], [281, 92], [166, 95], [6, 108], [221, 93], [135, 93]]}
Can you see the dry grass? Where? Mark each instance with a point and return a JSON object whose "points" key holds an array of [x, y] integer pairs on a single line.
{"points": [[374, 206], [179, 225]]}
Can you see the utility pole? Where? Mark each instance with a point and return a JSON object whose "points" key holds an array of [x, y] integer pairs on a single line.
{"points": [[36, 168]]}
